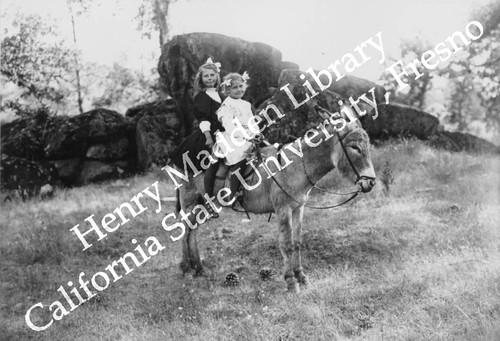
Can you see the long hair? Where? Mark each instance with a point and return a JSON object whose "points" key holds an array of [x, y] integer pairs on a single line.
{"points": [[198, 81]]}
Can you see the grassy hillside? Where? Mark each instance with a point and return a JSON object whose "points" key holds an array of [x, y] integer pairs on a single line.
{"points": [[419, 262]]}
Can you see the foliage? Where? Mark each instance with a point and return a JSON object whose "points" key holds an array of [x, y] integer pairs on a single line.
{"points": [[414, 95], [152, 17], [75, 9], [475, 75], [36, 60], [38, 72], [125, 86]]}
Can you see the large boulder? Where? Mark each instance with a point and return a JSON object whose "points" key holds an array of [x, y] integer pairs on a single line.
{"points": [[397, 120], [113, 150], [25, 177], [74, 135], [296, 122], [68, 170], [289, 65], [353, 86], [348, 86], [458, 142], [95, 171], [184, 54], [67, 145], [158, 132]]}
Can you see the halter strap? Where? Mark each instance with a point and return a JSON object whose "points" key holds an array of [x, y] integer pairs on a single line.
{"points": [[353, 194]]}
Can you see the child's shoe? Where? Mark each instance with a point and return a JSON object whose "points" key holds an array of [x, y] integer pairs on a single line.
{"points": [[211, 211]]}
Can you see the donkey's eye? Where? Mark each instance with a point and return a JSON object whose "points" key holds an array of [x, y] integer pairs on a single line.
{"points": [[356, 148]]}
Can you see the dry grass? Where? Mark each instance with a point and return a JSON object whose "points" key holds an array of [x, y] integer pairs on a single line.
{"points": [[420, 261]]}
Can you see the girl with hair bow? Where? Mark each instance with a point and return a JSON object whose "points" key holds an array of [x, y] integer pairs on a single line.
{"points": [[234, 141], [206, 103]]}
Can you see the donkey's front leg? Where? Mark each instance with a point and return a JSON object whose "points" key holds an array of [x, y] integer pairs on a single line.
{"points": [[297, 216], [190, 263], [286, 247]]}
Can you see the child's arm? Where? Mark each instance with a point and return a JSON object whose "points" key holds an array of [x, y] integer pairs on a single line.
{"points": [[226, 117], [201, 112], [210, 141]]}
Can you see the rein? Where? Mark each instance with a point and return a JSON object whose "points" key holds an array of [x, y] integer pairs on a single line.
{"points": [[313, 185], [319, 188], [355, 194], [341, 139]]}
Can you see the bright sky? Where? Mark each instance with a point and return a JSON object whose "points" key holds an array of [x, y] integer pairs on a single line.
{"points": [[308, 32]]}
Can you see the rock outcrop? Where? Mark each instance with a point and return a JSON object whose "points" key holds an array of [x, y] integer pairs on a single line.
{"points": [[158, 131], [396, 120], [346, 87], [72, 150], [459, 142], [97, 145], [295, 122], [73, 136]]}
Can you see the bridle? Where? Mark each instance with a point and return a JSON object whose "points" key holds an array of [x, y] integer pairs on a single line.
{"points": [[313, 185]]}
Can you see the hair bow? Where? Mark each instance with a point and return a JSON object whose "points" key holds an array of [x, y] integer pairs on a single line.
{"points": [[217, 65], [227, 82], [245, 76]]}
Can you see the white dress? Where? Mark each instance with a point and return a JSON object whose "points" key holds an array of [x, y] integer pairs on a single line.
{"points": [[233, 143]]}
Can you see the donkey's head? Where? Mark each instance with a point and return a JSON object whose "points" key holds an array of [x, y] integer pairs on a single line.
{"points": [[351, 152]]}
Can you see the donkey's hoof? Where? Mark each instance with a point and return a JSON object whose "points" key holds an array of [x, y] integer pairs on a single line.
{"points": [[187, 275], [185, 268], [302, 279], [201, 272], [292, 285], [294, 288], [305, 283]]}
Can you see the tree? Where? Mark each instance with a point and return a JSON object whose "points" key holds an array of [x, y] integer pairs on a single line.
{"points": [[76, 8], [124, 88], [475, 75], [465, 106], [415, 95], [36, 61], [153, 16]]}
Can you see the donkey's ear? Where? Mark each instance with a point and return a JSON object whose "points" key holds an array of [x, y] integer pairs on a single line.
{"points": [[367, 109], [322, 112]]}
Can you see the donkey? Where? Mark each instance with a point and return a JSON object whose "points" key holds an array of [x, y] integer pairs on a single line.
{"points": [[286, 191]]}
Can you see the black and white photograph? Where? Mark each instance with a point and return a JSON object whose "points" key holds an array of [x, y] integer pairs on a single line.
{"points": [[250, 170]]}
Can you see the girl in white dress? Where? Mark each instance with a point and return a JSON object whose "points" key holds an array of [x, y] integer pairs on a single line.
{"points": [[236, 117]]}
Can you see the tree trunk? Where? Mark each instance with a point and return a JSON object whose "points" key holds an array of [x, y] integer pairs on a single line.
{"points": [[77, 64], [423, 92], [161, 14]]}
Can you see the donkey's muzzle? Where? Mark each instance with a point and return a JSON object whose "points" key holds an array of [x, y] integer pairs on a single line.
{"points": [[366, 183]]}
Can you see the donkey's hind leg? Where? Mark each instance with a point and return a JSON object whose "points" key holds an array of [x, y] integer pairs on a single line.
{"points": [[185, 263], [298, 271], [191, 242], [196, 263], [187, 203], [286, 247], [191, 263]]}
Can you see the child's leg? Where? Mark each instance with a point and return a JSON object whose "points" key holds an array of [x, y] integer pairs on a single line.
{"points": [[209, 178], [234, 182], [209, 182]]}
